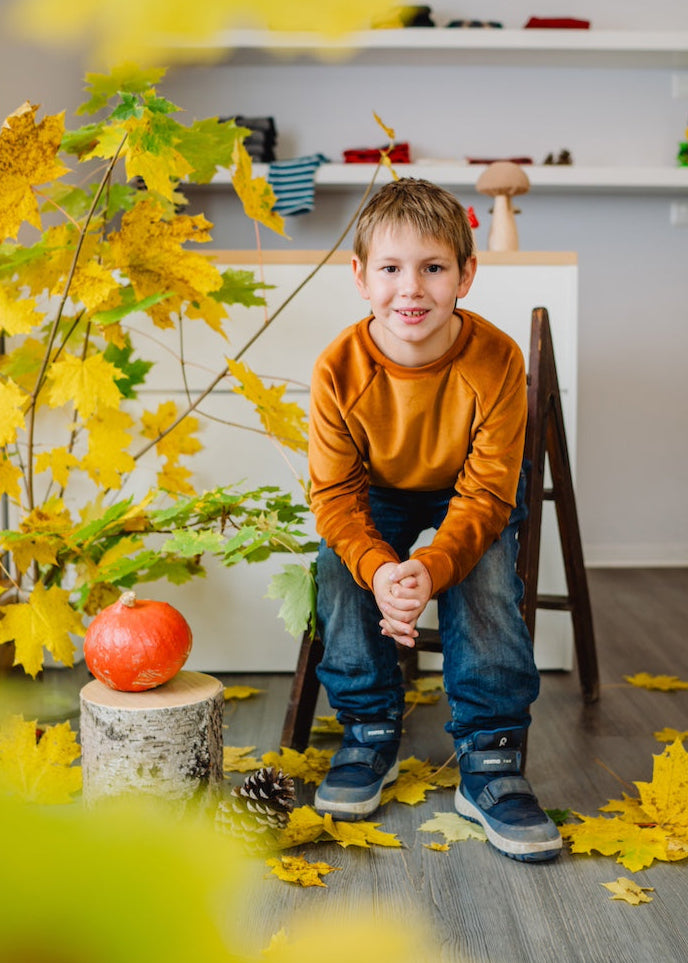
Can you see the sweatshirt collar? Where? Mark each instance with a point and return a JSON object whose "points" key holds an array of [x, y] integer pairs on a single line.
{"points": [[405, 371]]}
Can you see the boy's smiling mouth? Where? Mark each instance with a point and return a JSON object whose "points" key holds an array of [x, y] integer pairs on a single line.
{"points": [[412, 314]]}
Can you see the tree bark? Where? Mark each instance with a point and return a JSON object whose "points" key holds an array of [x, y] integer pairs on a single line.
{"points": [[165, 742]]}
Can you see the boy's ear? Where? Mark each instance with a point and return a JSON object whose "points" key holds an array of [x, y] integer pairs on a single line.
{"points": [[467, 276], [359, 276]]}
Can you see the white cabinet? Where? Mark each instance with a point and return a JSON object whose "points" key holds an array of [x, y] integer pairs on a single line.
{"points": [[235, 627]]}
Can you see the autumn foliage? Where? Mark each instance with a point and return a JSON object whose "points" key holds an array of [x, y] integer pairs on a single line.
{"points": [[84, 259]]}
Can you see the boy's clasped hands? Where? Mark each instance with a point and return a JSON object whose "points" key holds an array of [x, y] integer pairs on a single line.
{"points": [[402, 590]]}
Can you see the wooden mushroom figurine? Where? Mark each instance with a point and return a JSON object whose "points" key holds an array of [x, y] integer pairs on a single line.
{"points": [[503, 180]]}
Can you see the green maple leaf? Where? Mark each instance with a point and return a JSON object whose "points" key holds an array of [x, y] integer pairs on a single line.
{"points": [[208, 144], [125, 78], [239, 287], [295, 585], [191, 543], [133, 371]]}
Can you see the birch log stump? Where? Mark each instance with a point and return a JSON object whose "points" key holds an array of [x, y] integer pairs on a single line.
{"points": [[165, 742]]}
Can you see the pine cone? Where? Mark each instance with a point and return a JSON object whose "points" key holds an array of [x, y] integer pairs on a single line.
{"points": [[256, 811]]}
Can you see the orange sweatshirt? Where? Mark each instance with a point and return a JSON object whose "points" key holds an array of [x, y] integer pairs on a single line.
{"points": [[457, 422]]}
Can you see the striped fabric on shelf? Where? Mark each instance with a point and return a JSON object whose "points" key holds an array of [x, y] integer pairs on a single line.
{"points": [[293, 183]]}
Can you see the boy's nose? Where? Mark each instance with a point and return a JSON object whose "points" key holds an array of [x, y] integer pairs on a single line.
{"points": [[412, 285]]}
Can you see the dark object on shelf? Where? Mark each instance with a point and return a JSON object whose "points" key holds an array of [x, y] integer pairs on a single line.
{"points": [[493, 160], [557, 23], [406, 16], [488, 24], [399, 154], [262, 140], [564, 158]]}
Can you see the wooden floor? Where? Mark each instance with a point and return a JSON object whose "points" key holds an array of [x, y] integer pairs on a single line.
{"points": [[479, 905]]}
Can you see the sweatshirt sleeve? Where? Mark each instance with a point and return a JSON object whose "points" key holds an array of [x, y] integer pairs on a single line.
{"points": [[339, 484], [486, 486]]}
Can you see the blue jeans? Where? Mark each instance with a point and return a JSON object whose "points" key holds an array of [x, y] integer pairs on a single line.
{"points": [[490, 675]]}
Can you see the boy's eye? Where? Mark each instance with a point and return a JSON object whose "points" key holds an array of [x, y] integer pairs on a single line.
{"points": [[434, 268], [389, 269]]}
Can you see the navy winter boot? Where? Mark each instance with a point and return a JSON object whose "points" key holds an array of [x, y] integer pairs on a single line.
{"points": [[493, 793], [366, 763]]}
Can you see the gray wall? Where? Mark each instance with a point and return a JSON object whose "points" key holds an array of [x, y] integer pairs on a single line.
{"points": [[633, 324]]}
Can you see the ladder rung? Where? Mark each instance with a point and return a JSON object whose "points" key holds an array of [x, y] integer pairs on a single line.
{"points": [[548, 494], [559, 603]]}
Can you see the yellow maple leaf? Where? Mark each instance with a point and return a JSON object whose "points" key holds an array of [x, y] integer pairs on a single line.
{"points": [[28, 158], [10, 478], [285, 421], [629, 808], [255, 193], [665, 798], [304, 826], [362, 834], [311, 765], [102, 24], [60, 461], [413, 782], [297, 869], [180, 440], [160, 169], [437, 847], [18, 313], [661, 683], [636, 846], [429, 683], [453, 827], [241, 692], [12, 400], [148, 248], [23, 363], [88, 383], [40, 548], [107, 458], [235, 759], [47, 619], [38, 771], [175, 479], [93, 285], [327, 725], [629, 891], [670, 735]]}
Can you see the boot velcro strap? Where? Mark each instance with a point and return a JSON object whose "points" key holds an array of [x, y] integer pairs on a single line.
{"points": [[362, 755], [375, 731], [499, 788], [492, 760]]}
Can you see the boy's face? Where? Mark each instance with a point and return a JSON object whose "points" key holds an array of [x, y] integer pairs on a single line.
{"points": [[412, 284]]}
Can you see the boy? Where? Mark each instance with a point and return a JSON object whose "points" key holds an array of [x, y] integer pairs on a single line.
{"points": [[418, 418]]}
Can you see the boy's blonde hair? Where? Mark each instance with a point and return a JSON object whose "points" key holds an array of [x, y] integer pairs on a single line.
{"points": [[430, 209]]}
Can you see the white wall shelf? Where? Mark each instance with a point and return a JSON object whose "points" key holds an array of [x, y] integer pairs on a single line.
{"points": [[545, 179], [436, 45]]}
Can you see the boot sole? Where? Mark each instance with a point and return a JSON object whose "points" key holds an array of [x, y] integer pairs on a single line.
{"points": [[527, 851], [350, 811]]}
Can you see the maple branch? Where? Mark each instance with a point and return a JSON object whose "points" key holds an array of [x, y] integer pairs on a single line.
{"points": [[40, 380], [223, 374]]}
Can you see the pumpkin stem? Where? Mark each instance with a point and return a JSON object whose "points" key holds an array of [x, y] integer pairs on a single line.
{"points": [[128, 599]]}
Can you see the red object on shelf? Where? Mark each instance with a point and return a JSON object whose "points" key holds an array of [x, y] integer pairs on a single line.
{"points": [[399, 154], [557, 23]]}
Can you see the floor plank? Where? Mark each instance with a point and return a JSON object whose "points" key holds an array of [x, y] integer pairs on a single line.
{"points": [[482, 907]]}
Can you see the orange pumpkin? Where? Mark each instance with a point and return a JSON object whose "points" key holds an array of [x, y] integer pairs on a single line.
{"points": [[136, 644]]}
